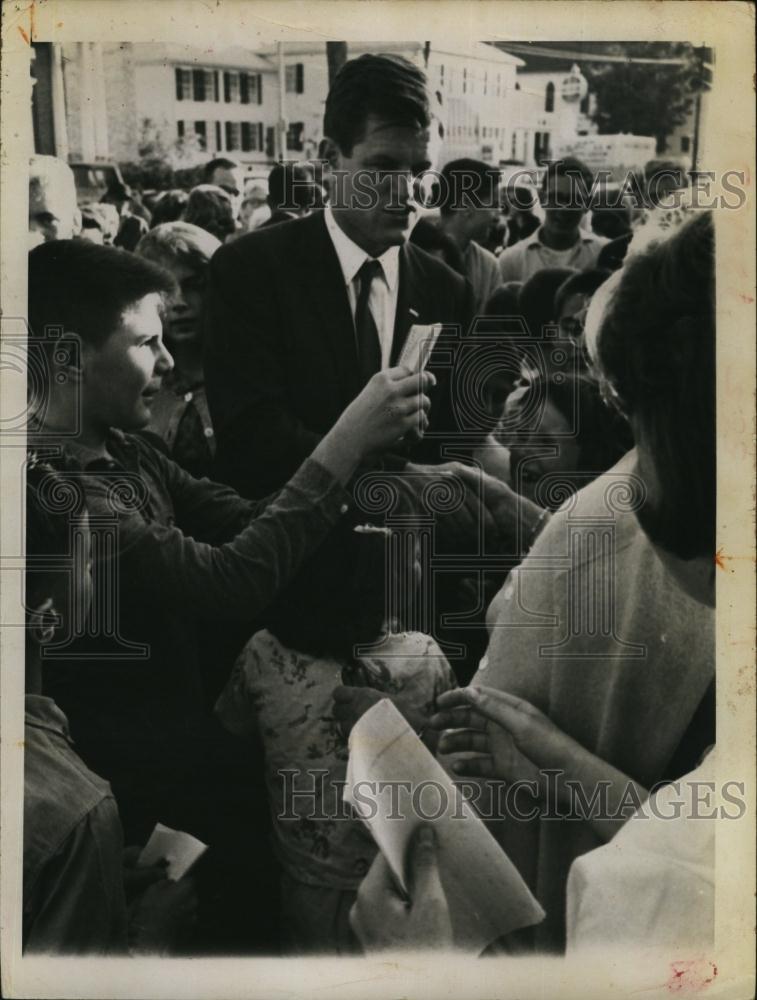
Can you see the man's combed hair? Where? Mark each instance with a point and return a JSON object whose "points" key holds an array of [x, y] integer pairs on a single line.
{"points": [[580, 176], [389, 87], [219, 163], [467, 182], [178, 241], [80, 287]]}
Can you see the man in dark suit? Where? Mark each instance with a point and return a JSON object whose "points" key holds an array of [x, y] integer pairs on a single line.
{"points": [[302, 313], [292, 192]]}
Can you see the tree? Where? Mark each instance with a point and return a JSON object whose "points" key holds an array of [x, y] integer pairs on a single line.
{"points": [[645, 98]]}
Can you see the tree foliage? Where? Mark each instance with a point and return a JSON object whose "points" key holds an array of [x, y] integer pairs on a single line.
{"points": [[645, 98]]}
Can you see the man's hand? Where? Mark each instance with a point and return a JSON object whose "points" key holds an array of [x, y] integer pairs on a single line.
{"points": [[384, 921], [506, 518]]}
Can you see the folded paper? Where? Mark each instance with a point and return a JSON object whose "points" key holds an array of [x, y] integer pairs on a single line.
{"points": [[395, 784], [180, 849]]}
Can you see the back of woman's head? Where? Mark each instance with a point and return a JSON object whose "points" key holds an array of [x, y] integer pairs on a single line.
{"points": [[169, 206], [210, 208], [656, 348]]}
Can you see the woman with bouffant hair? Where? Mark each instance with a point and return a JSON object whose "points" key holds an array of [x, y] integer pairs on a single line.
{"points": [[601, 658], [656, 350]]}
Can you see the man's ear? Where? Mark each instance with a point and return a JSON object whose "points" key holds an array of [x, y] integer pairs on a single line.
{"points": [[71, 356], [329, 151]]}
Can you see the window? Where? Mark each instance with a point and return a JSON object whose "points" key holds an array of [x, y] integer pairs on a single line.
{"points": [[441, 74], [231, 87], [294, 136], [514, 146], [180, 129], [183, 84], [252, 137], [549, 97], [198, 84], [465, 80], [685, 144], [295, 78], [211, 85], [201, 131], [233, 137]]}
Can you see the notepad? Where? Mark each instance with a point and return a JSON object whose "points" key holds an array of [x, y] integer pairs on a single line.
{"points": [[395, 784], [418, 346], [180, 849]]}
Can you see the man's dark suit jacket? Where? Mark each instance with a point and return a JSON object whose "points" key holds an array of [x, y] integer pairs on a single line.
{"points": [[281, 362]]}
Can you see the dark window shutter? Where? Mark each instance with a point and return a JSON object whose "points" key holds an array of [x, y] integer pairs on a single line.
{"points": [[198, 85], [261, 137], [180, 129], [260, 88], [229, 142], [244, 88], [218, 135], [216, 94], [179, 90], [300, 79], [270, 141], [226, 87]]}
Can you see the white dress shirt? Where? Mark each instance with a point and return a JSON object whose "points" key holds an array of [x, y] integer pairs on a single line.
{"points": [[383, 297]]}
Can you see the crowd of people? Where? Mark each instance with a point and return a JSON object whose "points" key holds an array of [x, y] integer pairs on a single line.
{"points": [[228, 401]]}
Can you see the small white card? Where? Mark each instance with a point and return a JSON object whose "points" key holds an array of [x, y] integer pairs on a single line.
{"points": [[419, 345], [180, 849]]}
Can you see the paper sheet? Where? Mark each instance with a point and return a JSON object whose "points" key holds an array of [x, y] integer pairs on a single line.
{"points": [[395, 784], [180, 849], [419, 345]]}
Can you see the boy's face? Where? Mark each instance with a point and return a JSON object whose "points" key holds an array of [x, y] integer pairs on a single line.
{"points": [[372, 188], [122, 376]]}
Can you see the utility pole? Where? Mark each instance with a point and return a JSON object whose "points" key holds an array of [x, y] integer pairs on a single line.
{"points": [[336, 56], [281, 125]]}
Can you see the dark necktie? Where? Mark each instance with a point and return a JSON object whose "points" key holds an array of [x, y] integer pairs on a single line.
{"points": [[366, 334]]}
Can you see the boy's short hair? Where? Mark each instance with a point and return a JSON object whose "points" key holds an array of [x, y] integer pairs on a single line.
{"points": [[210, 208], [179, 242], [81, 287], [390, 87], [468, 179], [581, 177]]}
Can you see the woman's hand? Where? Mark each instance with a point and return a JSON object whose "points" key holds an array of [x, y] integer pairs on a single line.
{"points": [[384, 921], [509, 738], [393, 405], [490, 729]]}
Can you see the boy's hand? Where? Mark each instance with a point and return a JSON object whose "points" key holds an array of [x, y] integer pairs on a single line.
{"points": [[392, 405], [381, 918], [137, 878], [161, 919]]}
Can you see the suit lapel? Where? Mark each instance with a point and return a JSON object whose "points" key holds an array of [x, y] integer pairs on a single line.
{"points": [[409, 306], [327, 295]]}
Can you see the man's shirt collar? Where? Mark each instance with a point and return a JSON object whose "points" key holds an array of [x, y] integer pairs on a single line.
{"points": [[352, 257], [534, 239]]}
